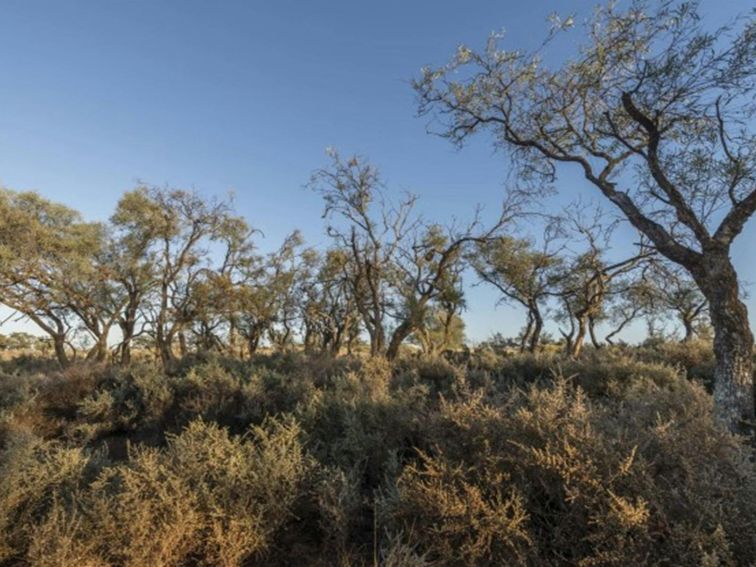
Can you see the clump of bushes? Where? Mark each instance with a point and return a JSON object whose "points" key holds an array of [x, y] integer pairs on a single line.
{"points": [[551, 476], [290, 459], [206, 496]]}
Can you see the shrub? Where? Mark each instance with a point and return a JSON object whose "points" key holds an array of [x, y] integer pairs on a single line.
{"points": [[33, 475], [551, 477]]}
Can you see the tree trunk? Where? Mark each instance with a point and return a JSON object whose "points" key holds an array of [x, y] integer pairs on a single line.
{"points": [[99, 352], [689, 330], [733, 343], [127, 323], [527, 333], [59, 343], [535, 337], [126, 353], [183, 349], [336, 339], [592, 331], [577, 344], [127, 330], [253, 342], [377, 341], [397, 338]]}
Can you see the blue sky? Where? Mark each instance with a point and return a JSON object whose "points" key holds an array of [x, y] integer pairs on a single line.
{"points": [[246, 96]]}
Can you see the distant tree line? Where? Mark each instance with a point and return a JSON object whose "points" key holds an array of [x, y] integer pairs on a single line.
{"points": [[178, 273]]}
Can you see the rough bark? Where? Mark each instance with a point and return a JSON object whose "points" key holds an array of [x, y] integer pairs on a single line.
{"points": [[592, 329], [733, 342]]}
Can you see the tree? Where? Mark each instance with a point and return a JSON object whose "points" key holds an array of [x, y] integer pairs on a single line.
{"points": [[49, 268], [217, 290], [657, 113], [287, 272], [171, 226], [587, 288], [371, 232], [523, 275], [328, 308], [443, 328], [428, 271], [673, 291], [635, 301], [94, 295], [135, 267], [267, 298], [590, 282], [398, 265]]}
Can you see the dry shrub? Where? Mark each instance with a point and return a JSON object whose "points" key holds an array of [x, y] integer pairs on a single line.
{"points": [[439, 376], [648, 476], [33, 474], [469, 515], [696, 358], [126, 400], [208, 391], [58, 542], [339, 501], [208, 497], [245, 488], [141, 512], [395, 552]]}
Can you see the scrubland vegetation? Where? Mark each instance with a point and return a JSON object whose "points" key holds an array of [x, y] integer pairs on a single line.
{"points": [[313, 460], [196, 401]]}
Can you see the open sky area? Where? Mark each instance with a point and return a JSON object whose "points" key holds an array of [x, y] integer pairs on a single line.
{"points": [[246, 96]]}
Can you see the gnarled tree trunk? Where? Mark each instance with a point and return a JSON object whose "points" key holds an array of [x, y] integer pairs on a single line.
{"points": [[733, 342]]}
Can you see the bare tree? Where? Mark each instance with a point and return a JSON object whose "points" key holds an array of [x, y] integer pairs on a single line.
{"points": [[429, 270], [371, 235], [398, 265], [590, 282]]}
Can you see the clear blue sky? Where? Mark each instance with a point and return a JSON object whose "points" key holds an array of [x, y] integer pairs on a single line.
{"points": [[246, 96]]}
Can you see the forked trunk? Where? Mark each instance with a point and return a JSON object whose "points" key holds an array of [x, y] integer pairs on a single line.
{"points": [[527, 333], [594, 338], [99, 352]]}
